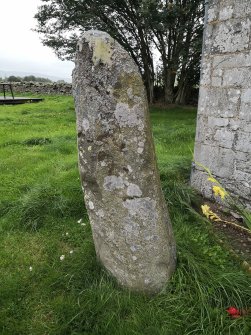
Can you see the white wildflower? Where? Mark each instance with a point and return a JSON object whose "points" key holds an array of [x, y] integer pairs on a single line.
{"points": [[80, 220], [71, 252], [30, 268], [62, 257]]}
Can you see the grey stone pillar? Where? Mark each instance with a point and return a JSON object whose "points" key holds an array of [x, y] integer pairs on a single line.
{"points": [[127, 211], [223, 137]]}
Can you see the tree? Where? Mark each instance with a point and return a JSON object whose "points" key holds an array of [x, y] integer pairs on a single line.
{"points": [[188, 74], [29, 78], [13, 79], [177, 27], [32, 78], [169, 26], [61, 23]]}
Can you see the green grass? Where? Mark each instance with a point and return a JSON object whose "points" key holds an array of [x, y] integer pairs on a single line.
{"points": [[41, 202]]}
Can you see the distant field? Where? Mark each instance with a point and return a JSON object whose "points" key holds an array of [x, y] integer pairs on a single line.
{"points": [[41, 203]]}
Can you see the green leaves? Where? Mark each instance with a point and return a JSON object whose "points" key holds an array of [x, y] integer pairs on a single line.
{"points": [[140, 26]]}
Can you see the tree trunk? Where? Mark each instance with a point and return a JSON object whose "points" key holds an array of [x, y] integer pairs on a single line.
{"points": [[149, 84], [182, 93], [148, 66], [169, 78]]}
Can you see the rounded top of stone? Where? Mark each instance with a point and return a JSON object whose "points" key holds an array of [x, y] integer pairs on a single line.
{"points": [[93, 34], [102, 52], [101, 43]]}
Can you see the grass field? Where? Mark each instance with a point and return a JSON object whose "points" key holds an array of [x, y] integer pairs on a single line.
{"points": [[41, 203]]}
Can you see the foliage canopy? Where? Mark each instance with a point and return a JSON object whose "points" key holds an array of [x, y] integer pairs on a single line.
{"points": [[172, 29]]}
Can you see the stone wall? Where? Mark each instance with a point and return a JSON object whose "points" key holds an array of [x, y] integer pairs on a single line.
{"points": [[223, 138], [42, 88]]}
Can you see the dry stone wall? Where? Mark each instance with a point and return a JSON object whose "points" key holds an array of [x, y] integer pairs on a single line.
{"points": [[42, 88], [223, 138]]}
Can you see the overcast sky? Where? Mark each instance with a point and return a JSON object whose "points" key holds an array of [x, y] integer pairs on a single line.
{"points": [[20, 48]]}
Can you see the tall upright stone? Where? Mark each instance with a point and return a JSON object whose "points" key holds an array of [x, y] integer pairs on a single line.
{"points": [[127, 211], [223, 138]]}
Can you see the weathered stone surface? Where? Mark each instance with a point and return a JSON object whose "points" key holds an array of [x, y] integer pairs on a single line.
{"points": [[232, 60], [223, 138], [228, 36], [131, 228]]}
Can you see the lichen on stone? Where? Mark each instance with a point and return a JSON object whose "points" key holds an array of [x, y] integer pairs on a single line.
{"points": [[112, 183], [133, 190]]}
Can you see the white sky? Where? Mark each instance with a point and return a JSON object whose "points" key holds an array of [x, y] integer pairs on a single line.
{"points": [[20, 48]]}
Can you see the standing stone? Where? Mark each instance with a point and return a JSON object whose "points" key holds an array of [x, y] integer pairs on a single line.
{"points": [[127, 211], [223, 137]]}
